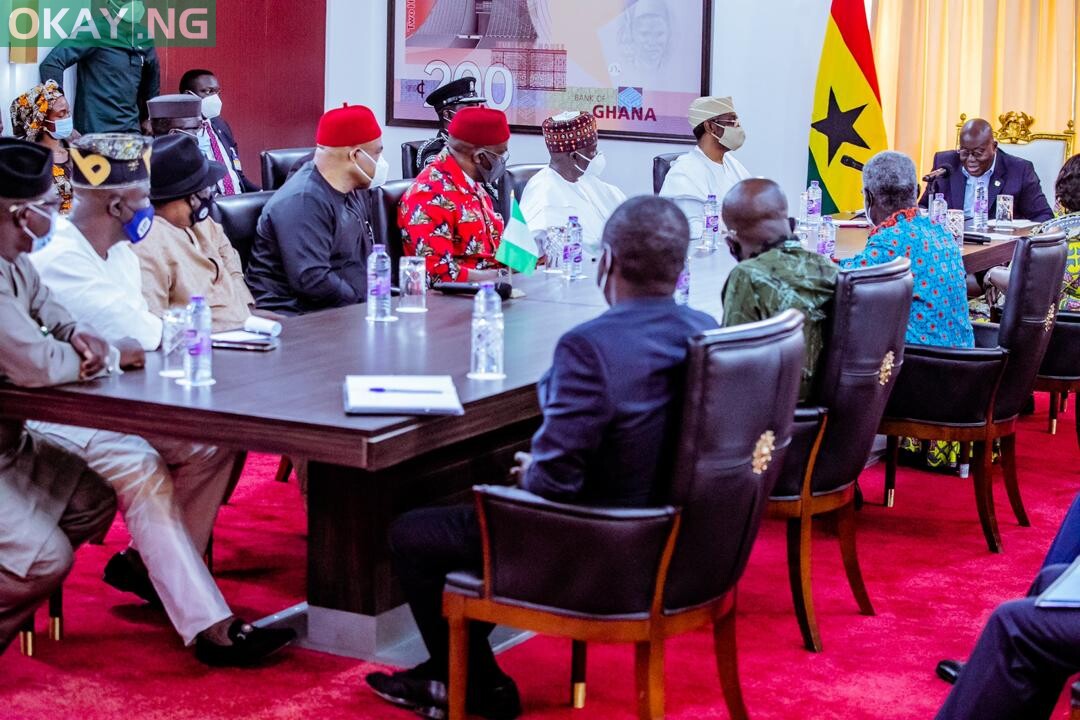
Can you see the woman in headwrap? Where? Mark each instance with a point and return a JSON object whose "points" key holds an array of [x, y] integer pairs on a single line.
{"points": [[42, 115]]}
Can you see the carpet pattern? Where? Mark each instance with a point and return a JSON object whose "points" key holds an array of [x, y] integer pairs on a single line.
{"points": [[926, 566]]}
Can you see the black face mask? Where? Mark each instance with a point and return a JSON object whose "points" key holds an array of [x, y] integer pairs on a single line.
{"points": [[202, 211]]}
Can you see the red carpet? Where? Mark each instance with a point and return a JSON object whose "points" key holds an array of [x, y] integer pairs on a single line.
{"points": [[931, 579]]}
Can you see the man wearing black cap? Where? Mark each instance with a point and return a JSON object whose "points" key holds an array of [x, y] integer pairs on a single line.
{"points": [[169, 490], [50, 502], [187, 253], [447, 101]]}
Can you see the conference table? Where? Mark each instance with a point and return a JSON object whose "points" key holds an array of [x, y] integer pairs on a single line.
{"points": [[364, 471]]}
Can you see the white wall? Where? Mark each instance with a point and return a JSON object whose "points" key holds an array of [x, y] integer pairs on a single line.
{"points": [[765, 55]]}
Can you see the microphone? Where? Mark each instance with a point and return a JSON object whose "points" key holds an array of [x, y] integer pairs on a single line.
{"points": [[471, 288], [938, 173], [851, 163]]}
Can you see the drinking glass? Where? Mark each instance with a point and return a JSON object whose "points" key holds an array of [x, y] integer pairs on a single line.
{"points": [[412, 277], [954, 223], [1004, 209], [174, 325], [505, 275], [553, 249]]}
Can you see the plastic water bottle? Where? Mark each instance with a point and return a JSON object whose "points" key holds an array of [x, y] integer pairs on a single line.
{"points": [[572, 251], [378, 286], [826, 234], [682, 286], [939, 208], [813, 204], [487, 335], [199, 358], [710, 235], [981, 208]]}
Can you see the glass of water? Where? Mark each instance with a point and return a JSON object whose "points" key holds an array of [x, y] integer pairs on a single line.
{"points": [[1004, 209], [174, 325], [553, 250], [412, 277]]}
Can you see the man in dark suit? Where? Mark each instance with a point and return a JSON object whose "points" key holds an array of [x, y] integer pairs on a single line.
{"points": [[980, 162], [610, 403], [221, 144]]}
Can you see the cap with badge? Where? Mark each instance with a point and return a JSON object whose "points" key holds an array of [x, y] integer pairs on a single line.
{"points": [[706, 108], [569, 131], [26, 169], [110, 160], [457, 92], [172, 107]]}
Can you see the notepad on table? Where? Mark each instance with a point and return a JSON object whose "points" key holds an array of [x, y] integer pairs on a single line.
{"points": [[1065, 591], [243, 340], [401, 395]]}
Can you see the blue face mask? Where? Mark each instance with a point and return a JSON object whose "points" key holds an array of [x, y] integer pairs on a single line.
{"points": [[62, 128], [40, 241], [138, 227]]}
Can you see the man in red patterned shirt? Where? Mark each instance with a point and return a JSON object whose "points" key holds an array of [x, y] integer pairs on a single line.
{"points": [[446, 216]]}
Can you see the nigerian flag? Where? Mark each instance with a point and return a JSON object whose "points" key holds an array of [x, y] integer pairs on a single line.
{"points": [[517, 250], [848, 126]]}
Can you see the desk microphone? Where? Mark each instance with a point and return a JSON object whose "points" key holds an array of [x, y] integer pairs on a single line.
{"points": [[851, 163], [938, 173], [472, 288]]}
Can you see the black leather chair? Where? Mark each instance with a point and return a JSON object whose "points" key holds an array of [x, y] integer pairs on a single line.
{"points": [[975, 395], [647, 574], [661, 164], [239, 215], [1060, 371], [409, 151], [277, 164], [832, 436], [384, 208], [515, 180]]}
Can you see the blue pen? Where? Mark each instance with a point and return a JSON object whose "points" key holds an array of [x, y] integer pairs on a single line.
{"points": [[404, 391]]}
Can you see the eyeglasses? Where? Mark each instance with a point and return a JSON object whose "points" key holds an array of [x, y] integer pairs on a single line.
{"points": [[726, 123], [978, 153], [48, 205], [193, 134]]}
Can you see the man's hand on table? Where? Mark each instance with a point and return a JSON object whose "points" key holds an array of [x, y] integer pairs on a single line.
{"points": [[517, 473], [93, 350], [132, 355]]}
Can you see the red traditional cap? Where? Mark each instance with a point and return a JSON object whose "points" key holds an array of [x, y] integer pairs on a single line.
{"points": [[347, 126], [480, 126]]}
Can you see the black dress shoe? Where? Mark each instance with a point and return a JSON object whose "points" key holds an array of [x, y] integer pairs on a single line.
{"points": [[949, 670], [250, 645], [417, 689], [125, 571], [498, 701]]}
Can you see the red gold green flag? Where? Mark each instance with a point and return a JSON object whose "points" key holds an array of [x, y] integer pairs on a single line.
{"points": [[848, 127]]}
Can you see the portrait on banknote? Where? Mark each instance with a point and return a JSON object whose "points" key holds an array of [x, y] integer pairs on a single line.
{"points": [[634, 64]]}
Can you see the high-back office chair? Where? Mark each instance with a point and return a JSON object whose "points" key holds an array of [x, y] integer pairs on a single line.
{"points": [[516, 178], [239, 216], [277, 164], [1060, 371], [27, 633], [409, 151], [975, 395], [384, 208], [661, 165], [832, 436], [647, 574]]}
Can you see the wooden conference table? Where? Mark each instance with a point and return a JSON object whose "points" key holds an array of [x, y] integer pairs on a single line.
{"points": [[365, 471]]}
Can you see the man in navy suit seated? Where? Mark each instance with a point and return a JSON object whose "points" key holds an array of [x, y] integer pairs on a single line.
{"points": [[980, 162], [611, 402], [216, 137]]}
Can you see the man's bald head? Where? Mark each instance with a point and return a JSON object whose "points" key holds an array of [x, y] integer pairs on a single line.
{"points": [[977, 147], [755, 212]]}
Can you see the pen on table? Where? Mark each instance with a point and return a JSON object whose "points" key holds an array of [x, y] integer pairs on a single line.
{"points": [[405, 391]]}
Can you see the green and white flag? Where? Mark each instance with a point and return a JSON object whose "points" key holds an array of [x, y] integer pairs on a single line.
{"points": [[517, 250]]}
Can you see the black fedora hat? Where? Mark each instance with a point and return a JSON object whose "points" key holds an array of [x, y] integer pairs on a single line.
{"points": [[178, 168]]}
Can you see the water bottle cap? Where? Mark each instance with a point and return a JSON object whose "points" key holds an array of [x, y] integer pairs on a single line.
{"points": [[573, 218], [813, 183], [378, 247], [198, 299], [712, 198], [487, 285]]}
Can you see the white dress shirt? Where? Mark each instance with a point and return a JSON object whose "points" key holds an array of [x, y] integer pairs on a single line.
{"points": [[693, 178], [974, 182], [104, 293], [550, 199]]}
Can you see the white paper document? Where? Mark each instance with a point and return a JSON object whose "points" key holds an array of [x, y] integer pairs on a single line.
{"points": [[401, 395], [1065, 591], [239, 336]]}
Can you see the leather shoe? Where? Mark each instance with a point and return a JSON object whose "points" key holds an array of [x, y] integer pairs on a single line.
{"points": [[415, 689], [494, 701], [949, 670], [250, 645], [125, 571]]}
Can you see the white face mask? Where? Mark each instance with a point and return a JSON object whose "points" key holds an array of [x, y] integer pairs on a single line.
{"points": [[596, 166], [211, 106], [733, 137], [382, 171]]}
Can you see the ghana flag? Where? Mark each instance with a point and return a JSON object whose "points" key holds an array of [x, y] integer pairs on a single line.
{"points": [[848, 126]]}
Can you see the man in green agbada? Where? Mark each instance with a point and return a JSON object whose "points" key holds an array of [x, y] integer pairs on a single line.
{"points": [[774, 272]]}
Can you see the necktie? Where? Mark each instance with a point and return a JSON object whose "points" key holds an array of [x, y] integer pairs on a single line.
{"points": [[227, 185]]}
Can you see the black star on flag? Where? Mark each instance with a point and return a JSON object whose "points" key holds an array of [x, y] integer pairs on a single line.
{"points": [[839, 126]]}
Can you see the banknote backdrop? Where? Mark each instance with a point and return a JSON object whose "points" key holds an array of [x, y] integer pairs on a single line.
{"points": [[635, 64]]}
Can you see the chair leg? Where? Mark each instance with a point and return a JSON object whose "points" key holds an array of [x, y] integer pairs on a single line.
{"points": [[56, 615], [1012, 479], [284, 469], [459, 666], [892, 457], [26, 637], [1055, 403], [982, 478], [578, 654], [727, 664], [234, 476], [649, 668], [798, 552], [1065, 401], [845, 528]]}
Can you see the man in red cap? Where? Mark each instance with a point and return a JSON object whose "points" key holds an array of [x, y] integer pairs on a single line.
{"points": [[315, 234], [447, 216]]}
